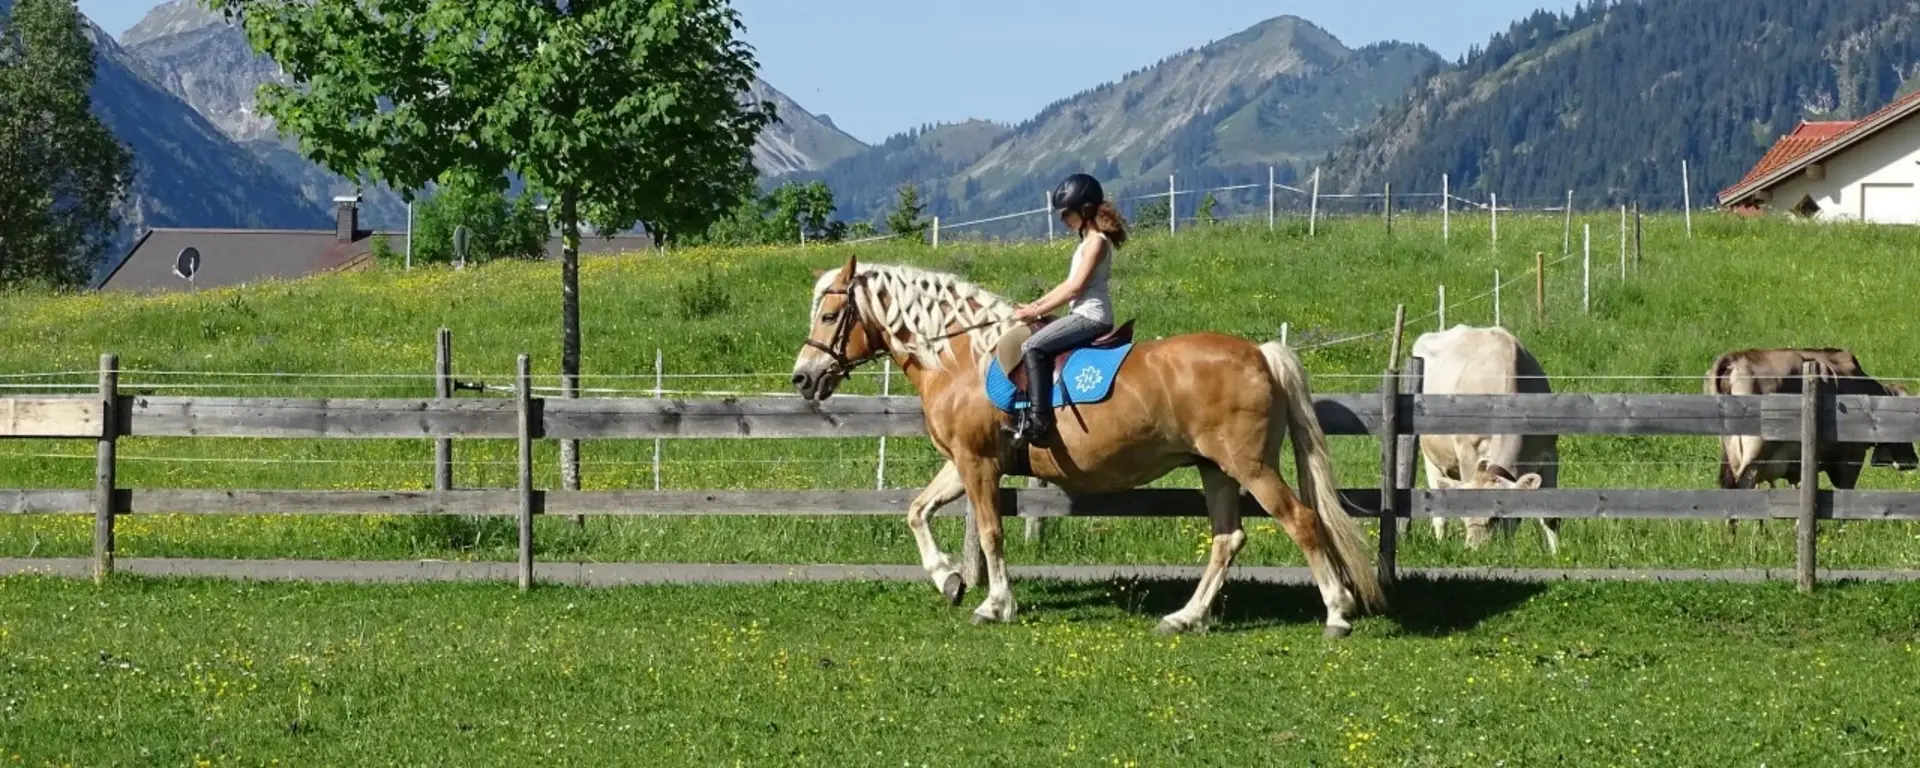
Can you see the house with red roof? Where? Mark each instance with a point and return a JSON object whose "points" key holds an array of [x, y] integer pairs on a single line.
{"points": [[1855, 170]]}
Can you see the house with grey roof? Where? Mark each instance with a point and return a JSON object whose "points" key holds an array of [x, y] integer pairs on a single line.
{"points": [[230, 257]]}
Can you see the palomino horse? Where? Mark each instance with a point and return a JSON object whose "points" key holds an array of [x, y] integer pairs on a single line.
{"points": [[1220, 403]]}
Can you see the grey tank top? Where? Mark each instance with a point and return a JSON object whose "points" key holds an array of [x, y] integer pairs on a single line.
{"points": [[1094, 302]]}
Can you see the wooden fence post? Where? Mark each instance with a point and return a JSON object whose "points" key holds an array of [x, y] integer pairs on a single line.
{"points": [[523, 395], [1409, 450], [1388, 202], [1036, 527], [1446, 210], [105, 496], [443, 389], [973, 559], [1808, 525], [1390, 454]]}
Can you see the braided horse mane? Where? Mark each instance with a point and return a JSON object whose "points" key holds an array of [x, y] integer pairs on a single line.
{"points": [[920, 307]]}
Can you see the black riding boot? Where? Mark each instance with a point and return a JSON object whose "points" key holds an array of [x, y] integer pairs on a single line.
{"points": [[1037, 424]]}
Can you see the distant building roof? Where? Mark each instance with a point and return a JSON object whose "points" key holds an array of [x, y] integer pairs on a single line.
{"points": [[1811, 142], [231, 257]]}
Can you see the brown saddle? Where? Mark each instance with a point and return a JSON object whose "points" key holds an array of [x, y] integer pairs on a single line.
{"points": [[1014, 363]]}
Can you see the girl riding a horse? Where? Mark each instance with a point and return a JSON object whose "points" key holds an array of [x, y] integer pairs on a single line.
{"points": [[1084, 209]]}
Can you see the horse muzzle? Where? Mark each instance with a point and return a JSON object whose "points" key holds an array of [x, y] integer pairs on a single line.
{"points": [[815, 383]]}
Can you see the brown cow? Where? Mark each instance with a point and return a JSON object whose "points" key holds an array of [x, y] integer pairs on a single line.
{"points": [[1748, 461]]}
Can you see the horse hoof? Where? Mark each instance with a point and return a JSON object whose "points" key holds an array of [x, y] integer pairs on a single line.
{"points": [[981, 620], [1166, 628], [954, 588], [1335, 633]]}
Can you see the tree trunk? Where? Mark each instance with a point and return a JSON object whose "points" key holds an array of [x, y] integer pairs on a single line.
{"points": [[570, 331]]}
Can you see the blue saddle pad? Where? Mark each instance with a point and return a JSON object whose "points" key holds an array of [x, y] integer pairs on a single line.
{"points": [[1084, 377]]}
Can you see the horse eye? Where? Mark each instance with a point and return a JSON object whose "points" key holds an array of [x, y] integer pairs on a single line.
{"points": [[829, 317]]}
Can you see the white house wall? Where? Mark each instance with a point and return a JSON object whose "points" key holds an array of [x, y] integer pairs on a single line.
{"points": [[1891, 156]]}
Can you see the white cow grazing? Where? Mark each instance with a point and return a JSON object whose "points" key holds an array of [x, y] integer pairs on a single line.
{"points": [[1465, 360]]}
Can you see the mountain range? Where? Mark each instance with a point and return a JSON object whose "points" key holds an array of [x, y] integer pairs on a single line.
{"points": [[1282, 92], [1606, 100], [187, 171]]}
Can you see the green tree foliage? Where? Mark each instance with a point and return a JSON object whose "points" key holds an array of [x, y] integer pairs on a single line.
{"points": [[904, 220], [1205, 212], [1151, 216], [622, 111], [780, 217], [61, 172], [497, 228]]}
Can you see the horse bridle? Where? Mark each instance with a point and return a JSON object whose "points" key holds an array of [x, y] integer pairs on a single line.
{"points": [[843, 330], [849, 321]]}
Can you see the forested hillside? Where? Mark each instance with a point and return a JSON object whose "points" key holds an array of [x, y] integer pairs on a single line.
{"points": [[1609, 99]]}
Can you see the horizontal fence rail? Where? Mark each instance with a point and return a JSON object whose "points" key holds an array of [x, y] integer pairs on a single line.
{"points": [[1394, 417], [1850, 418], [1021, 502]]}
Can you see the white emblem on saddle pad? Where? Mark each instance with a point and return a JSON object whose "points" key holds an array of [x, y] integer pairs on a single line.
{"points": [[1088, 379]]}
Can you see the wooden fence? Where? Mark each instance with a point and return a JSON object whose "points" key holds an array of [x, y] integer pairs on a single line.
{"points": [[1393, 417]]}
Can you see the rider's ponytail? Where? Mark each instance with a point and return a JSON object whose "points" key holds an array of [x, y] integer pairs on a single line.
{"points": [[1109, 222]]}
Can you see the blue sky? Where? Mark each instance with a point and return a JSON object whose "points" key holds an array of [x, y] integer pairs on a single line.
{"points": [[878, 68]]}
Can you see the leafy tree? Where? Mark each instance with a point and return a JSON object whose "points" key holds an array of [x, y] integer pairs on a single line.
{"points": [[623, 111], [62, 173], [808, 208], [780, 217], [497, 228], [1205, 213], [905, 220], [1151, 216]]}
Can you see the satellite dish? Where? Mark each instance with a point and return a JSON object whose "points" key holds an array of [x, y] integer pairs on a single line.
{"points": [[187, 263], [460, 236]]}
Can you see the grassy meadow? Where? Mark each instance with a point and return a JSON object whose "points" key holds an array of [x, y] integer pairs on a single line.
{"points": [[185, 672], [732, 320]]}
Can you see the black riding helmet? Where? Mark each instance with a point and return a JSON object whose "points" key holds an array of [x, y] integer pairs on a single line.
{"points": [[1077, 192]]}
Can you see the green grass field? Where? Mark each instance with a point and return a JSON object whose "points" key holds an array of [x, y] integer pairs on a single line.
{"points": [[1468, 674], [1473, 673], [733, 320]]}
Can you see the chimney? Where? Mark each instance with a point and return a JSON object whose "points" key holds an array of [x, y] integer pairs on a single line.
{"points": [[346, 218]]}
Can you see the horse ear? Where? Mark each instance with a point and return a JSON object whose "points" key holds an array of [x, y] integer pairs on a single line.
{"points": [[847, 272], [1481, 467], [1528, 482]]}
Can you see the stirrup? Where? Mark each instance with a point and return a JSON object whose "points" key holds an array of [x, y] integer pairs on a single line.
{"points": [[1030, 429]]}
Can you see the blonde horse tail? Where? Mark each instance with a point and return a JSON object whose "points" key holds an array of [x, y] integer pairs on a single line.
{"points": [[1314, 467]]}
